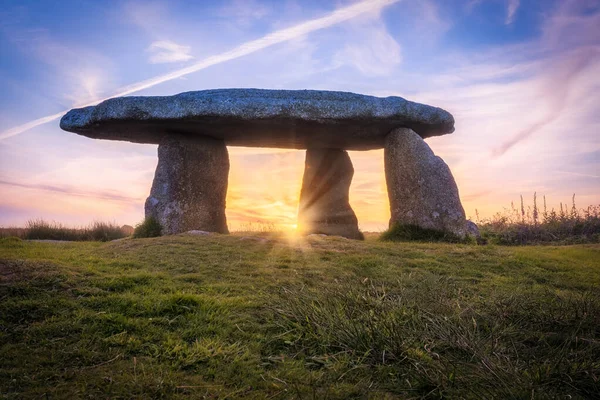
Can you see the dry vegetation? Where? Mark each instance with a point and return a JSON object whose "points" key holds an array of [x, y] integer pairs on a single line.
{"points": [[534, 225], [39, 229]]}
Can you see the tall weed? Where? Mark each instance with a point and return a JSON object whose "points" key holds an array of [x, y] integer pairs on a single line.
{"points": [[532, 225]]}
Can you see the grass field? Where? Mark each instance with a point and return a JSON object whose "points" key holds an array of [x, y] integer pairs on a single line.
{"points": [[268, 316]]}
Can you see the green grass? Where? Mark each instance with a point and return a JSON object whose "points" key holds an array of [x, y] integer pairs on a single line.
{"points": [[408, 233], [148, 228], [264, 316]]}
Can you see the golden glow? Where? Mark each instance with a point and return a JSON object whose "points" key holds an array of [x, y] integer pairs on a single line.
{"points": [[264, 189]]}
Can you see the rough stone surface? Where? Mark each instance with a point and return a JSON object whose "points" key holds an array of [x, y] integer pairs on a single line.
{"points": [[190, 185], [421, 188], [262, 118], [473, 229], [198, 233], [324, 199]]}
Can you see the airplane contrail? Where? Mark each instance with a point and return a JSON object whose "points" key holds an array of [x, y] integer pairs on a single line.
{"points": [[283, 35]]}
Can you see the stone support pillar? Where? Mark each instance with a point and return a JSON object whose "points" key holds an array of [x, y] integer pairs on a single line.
{"points": [[324, 198], [190, 185], [421, 188]]}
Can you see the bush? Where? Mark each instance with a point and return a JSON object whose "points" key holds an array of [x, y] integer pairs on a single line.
{"points": [[103, 232], [405, 233], [11, 242], [12, 232], [150, 227]]}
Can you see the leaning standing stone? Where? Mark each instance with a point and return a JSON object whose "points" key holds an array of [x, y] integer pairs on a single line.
{"points": [[421, 188], [190, 185], [324, 198]]}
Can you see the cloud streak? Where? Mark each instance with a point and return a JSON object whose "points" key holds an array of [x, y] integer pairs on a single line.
{"points": [[73, 192], [556, 90], [166, 51], [511, 12], [372, 50], [280, 36]]}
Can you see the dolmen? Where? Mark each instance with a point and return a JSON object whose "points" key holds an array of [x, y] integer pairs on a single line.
{"points": [[193, 130]]}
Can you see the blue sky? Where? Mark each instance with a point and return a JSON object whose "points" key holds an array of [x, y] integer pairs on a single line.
{"points": [[520, 77]]}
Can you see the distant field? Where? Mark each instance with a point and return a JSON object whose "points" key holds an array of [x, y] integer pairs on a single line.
{"points": [[267, 316]]}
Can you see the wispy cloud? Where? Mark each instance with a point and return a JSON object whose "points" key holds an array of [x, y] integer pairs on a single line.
{"points": [[73, 191], [78, 72], [511, 11], [371, 49], [554, 91], [579, 174], [280, 36], [149, 15], [166, 51], [471, 4], [436, 21], [245, 12]]}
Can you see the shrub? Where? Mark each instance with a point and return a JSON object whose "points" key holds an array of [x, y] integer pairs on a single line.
{"points": [[405, 233], [149, 227], [104, 232], [39, 229], [12, 232], [11, 242]]}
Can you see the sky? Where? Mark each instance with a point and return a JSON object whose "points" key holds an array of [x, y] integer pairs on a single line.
{"points": [[521, 77]]}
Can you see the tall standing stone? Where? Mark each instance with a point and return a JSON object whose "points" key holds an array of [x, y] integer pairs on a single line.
{"points": [[421, 188], [190, 185], [324, 198]]}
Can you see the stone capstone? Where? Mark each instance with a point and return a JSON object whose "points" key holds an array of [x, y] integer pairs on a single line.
{"points": [[190, 185], [421, 188], [297, 119], [324, 197]]}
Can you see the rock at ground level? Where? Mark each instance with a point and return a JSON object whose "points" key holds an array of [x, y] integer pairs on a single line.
{"points": [[421, 188], [190, 185], [324, 198], [472, 229], [127, 229]]}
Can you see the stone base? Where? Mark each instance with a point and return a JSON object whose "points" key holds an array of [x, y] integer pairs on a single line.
{"points": [[421, 188], [190, 185], [324, 198]]}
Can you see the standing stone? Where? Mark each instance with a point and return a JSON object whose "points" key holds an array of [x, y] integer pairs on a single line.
{"points": [[421, 188], [190, 185], [324, 199]]}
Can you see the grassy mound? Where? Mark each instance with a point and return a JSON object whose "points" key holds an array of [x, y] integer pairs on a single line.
{"points": [[407, 233], [222, 316]]}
